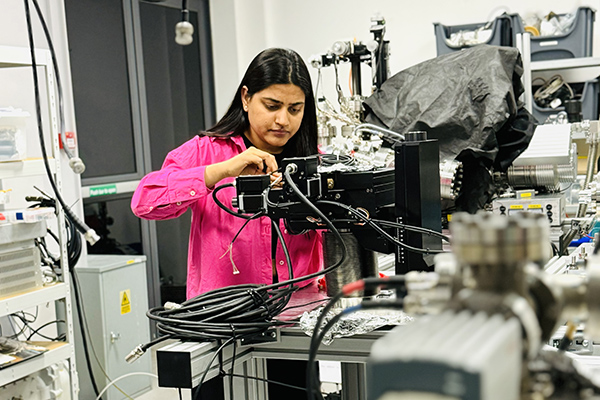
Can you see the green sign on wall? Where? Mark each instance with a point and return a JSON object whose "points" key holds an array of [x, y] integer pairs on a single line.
{"points": [[103, 190]]}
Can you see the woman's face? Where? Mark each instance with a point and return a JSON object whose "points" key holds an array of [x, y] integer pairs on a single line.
{"points": [[275, 115]]}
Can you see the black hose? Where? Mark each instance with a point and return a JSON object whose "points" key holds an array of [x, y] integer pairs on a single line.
{"points": [[81, 226]]}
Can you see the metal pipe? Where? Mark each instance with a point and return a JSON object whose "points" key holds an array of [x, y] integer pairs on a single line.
{"points": [[379, 129], [356, 76], [591, 162], [564, 243]]}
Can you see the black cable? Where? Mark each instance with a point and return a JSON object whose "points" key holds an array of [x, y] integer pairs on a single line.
{"points": [[59, 92], [555, 250], [312, 375], [81, 226], [267, 381], [242, 310], [47, 258], [154, 342], [314, 387], [24, 315], [36, 331], [223, 206], [323, 218], [74, 243], [314, 340], [13, 323], [333, 159], [307, 304], [286, 252], [180, 395], [210, 315], [411, 228], [232, 367], [377, 228], [310, 205], [212, 360], [311, 370]]}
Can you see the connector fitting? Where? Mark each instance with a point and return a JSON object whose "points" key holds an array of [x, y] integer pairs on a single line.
{"points": [[292, 168], [169, 305], [91, 237], [135, 354], [77, 165]]}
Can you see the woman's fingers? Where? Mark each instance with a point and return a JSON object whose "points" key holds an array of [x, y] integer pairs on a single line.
{"points": [[262, 158]]}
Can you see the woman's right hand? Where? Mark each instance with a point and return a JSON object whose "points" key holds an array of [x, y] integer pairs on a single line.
{"points": [[250, 162]]}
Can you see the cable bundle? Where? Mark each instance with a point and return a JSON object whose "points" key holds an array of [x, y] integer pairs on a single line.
{"points": [[233, 311], [552, 89]]}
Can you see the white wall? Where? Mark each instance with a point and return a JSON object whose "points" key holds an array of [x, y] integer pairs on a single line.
{"points": [[312, 26]]}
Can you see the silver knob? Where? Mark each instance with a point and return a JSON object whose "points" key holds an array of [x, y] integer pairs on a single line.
{"points": [[114, 336]]}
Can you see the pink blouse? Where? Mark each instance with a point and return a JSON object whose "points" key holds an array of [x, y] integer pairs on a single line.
{"points": [[179, 185]]}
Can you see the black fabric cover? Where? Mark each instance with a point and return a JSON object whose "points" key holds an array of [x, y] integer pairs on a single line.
{"points": [[468, 100]]}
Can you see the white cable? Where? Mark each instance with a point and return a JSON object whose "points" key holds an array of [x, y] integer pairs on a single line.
{"points": [[378, 129], [121, 377]]}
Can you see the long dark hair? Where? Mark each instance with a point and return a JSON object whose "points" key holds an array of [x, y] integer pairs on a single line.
{"points": [[271, 67]]}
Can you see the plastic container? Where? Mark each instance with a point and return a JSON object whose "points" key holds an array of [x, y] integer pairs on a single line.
{"points": [[502, 33], [576, 43], [589, 102], [13, 124]]}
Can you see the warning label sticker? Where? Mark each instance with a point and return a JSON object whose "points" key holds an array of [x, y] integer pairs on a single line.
{"points": [[125, 296]]}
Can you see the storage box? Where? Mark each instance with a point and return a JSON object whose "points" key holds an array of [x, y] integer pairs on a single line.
{"points": [[502, 33], [576, 43], [13, 123], [589, 102]]}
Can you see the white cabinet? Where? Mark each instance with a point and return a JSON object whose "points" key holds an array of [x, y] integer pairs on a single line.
{"points": [[115, 299], [59, 293]]}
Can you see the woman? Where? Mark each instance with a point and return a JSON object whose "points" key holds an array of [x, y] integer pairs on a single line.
{"points": [[272, 116]]}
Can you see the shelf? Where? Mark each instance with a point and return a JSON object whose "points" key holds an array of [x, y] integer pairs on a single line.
{"points": [[57, 294], [59, 351], [9, 305], [571, 69], [21, 57], [567, 63], [26, 168]]}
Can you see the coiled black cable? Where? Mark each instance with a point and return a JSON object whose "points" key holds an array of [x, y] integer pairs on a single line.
{"points": [[244, 310]]}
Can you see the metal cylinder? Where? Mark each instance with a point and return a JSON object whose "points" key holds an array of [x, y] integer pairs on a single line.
{"points": [[566, 173], [360, 262], [533, 176], [415, 136], [451, 174]]}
